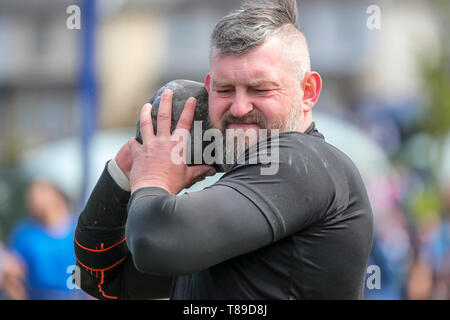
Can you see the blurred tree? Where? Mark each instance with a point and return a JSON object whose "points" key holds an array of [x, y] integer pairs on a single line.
{"points": [[436, 76], [425, 204], [12, 206], [437, 81]]}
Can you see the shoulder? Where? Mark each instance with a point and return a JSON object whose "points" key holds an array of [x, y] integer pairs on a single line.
{"points": [[314, 145], [319, 153], [289, 156]]}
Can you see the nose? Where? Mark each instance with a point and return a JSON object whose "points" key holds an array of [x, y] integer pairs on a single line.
{"points": [[241, 105]]}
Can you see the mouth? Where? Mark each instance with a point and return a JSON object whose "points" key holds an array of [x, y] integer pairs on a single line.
{"points": [[243, 126]]}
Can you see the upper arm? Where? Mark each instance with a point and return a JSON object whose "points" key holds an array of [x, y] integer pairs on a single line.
{"points": [[179, 235]]}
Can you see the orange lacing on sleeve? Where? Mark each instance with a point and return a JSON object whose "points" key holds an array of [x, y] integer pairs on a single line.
{"points": [[102, 271], [102, 279], [101, 249]]}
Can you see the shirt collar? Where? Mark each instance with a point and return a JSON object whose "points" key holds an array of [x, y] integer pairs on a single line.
{"points": [[312, 131]]}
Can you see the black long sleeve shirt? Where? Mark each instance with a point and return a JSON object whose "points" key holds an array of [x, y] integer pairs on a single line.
{"points": [[302, 233]]}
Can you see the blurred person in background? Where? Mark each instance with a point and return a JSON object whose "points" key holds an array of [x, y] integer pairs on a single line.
{"points": [[12, 275], [392, 250], [430, 275], [440, 251], [44, 242]]}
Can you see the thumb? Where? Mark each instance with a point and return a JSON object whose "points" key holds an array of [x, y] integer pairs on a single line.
{"points": [[124, 159], [201, 171], [134, 146], [198, 173]]}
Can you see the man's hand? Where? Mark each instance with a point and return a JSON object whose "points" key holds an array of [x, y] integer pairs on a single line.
{"points": [[124, 160], [153, 161]]}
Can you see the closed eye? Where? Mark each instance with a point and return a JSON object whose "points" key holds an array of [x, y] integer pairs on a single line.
{"points": [[223, 91], [261, 91]]}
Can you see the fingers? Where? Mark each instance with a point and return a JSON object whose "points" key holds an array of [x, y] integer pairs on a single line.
{"points": [[164, 117], [146, 125], [187, 116]]}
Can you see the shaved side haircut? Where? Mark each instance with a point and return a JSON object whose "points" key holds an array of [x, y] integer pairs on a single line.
{"points": [[255, 22]]}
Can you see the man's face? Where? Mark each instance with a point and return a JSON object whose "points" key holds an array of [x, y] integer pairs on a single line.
{"points": [[258, 90]]}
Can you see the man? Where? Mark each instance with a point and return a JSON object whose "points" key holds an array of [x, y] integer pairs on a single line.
{"points": [[304, 232]]}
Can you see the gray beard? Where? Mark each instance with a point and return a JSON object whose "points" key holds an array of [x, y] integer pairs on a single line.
{"points": [[236, 150]]}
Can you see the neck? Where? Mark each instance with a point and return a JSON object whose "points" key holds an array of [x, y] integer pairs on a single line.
{"points": [[305, 123]]}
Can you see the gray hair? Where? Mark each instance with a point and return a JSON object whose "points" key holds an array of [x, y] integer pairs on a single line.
{"points": [[250, 26]]}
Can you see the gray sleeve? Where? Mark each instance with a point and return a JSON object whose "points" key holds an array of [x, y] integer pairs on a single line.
{"points": [[175, 235]]}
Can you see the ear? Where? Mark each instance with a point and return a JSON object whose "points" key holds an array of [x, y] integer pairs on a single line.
{"points": [[208, 82], [312, 85]]}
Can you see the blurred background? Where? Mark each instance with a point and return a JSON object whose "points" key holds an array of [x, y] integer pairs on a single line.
{"points": [[74, 74]]}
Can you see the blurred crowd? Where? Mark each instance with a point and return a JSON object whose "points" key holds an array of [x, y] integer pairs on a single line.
{"points": [[411, 204]]}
